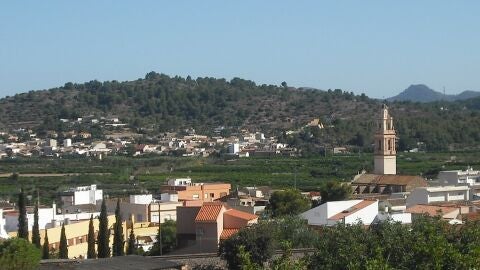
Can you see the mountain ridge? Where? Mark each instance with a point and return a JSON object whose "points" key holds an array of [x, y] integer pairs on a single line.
{"points": [[424, 94]]}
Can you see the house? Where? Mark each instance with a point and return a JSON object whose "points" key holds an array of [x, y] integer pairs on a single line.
{"points": [[143, 208], [201, 228], [81, 195], [458, 177], [427, 195], [196, 191], [449, 213], [346, 212]]}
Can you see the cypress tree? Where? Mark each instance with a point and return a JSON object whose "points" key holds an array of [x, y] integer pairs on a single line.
{"points": [[46, 249], [63, 253], [35, 228], [91, 240], [103, 239], [118, 245], [22, 216], [131, 242]]}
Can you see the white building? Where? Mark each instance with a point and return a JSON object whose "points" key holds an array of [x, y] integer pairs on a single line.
{"points": [[67, 143], [426, 195], [458, 177], [47, 218], [233, 148], [82, 195], [179, 181], [346, 212], [52, 143], [141, 199], [3, 232]]}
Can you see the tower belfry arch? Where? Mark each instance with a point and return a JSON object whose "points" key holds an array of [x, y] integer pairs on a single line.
{"points": [[385, 152]]}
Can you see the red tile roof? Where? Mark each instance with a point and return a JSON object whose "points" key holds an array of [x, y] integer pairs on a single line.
{"points": [[353, 209], [227, 233], [209, 212], [431, 210], [240, 214]]}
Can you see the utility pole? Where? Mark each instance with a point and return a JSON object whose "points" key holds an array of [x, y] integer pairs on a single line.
{"points": [[160, 229]]}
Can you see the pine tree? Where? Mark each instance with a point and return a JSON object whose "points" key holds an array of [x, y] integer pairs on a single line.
{"points": [[118, 245], [91, 240], [35, 228], [22, 216], [103, 239], [131, 242], [63, 249], [46, 248]]}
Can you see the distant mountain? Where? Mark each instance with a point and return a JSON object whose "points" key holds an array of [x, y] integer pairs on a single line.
{"points": [[422, 93]]}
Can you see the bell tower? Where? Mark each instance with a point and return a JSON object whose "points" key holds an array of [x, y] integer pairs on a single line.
{"points": [[385, 153]]}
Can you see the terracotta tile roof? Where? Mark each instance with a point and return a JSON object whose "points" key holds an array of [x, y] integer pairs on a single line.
{"points": [[240, 214], [227, 233], [209, 212], [431, 210], [353, 209], [390, 179]]}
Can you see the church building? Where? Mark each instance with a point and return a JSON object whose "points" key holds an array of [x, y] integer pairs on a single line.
{"points": [[384, 179]]}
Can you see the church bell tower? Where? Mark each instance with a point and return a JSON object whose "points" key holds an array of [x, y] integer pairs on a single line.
{"points": [[385, 159]]}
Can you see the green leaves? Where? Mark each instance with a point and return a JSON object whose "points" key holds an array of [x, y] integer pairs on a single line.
{"points": [[18, 253]]}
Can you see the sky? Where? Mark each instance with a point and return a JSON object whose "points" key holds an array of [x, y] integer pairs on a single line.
{"points": [[374, 47]]}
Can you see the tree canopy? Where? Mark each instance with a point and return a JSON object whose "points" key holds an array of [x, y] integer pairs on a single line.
{"points": [[288, 202]]}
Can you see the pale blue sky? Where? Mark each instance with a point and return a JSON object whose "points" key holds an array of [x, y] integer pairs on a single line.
{"points": [[376, 47]]}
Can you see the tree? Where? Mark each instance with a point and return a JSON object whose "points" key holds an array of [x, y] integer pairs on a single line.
{"points": [[91, 240], [118, 245], [131, 242], [22, 216], [167, 232], [18, 253], [258, 240], [63, 249], [103, 238], [288, 202], [45, 248], [35, 228], [335, 191]]}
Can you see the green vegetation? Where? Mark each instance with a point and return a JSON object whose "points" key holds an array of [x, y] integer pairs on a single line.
{"points": [[18, 253], [260, 241], [35, 228], [335, 191], [103, 238], [429, 243], [167, 232], [63, 249], [22, 216], [149, 172], [288, 202], [131, 243], [118, 245], [162, 103], [91, 254], [46, 248]]}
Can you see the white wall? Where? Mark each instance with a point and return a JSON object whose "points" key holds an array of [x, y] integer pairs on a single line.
{"points": [[141, 199], [365, 215]]}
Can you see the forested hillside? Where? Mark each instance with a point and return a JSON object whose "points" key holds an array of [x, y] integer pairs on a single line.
{"points": [[162, 103]]}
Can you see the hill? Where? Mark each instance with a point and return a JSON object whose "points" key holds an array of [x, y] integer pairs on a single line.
{"points": [[159, 103], [422, 93]]}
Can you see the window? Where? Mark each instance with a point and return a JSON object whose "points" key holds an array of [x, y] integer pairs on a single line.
{"points": [[389, 145], [196, 197], [212, 195]]}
